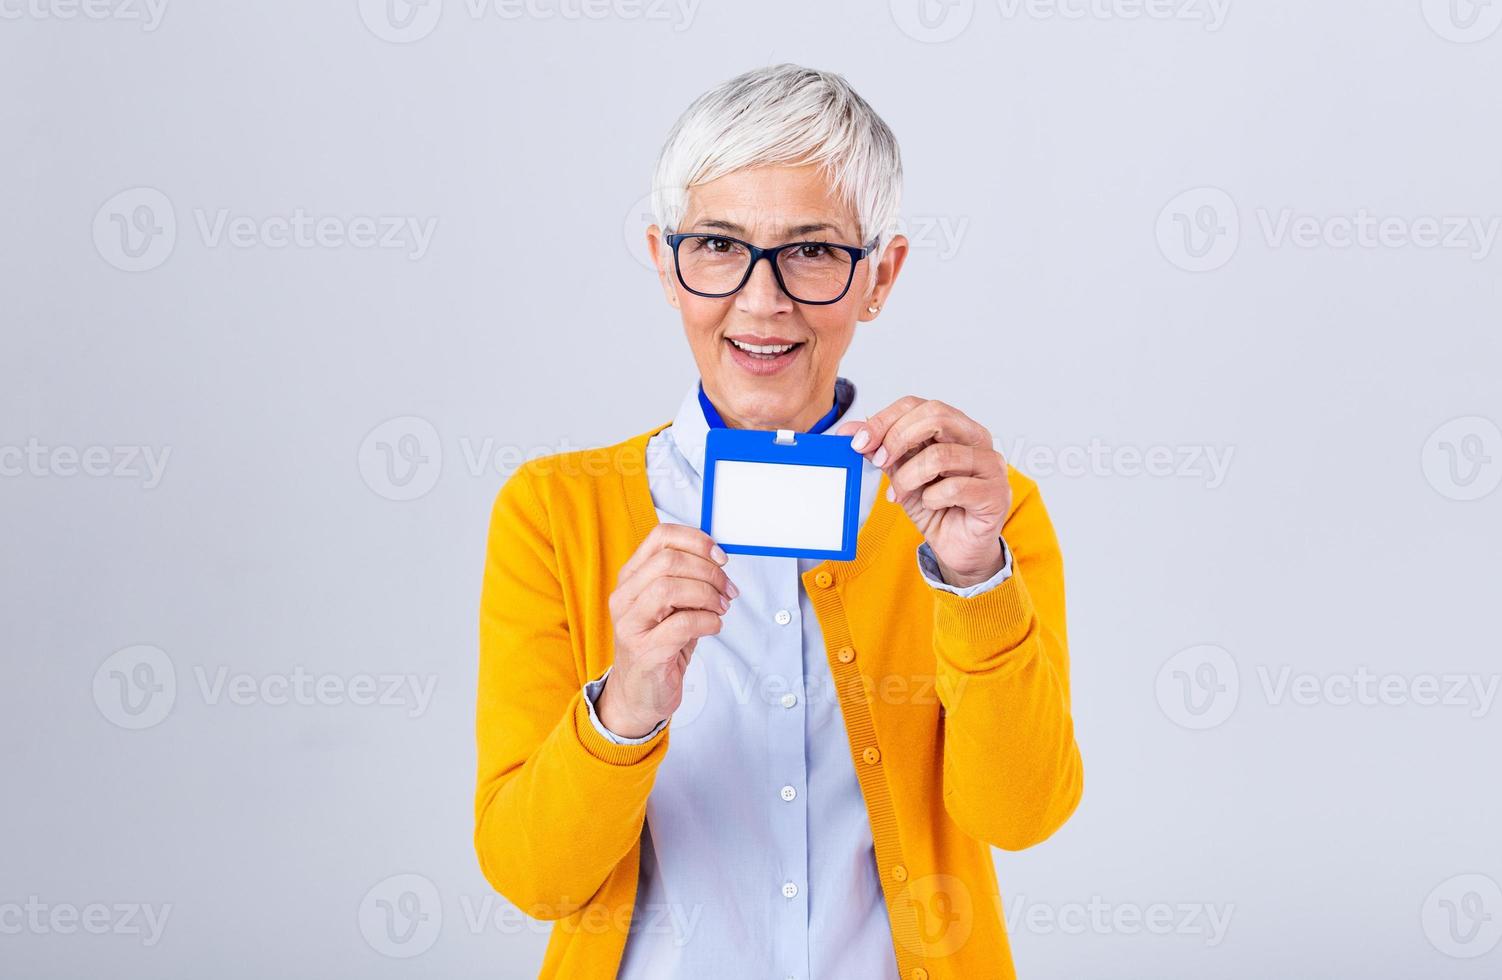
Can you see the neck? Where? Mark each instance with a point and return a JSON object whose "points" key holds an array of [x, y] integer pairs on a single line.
{"points": [[806, 418], [802, 423]]}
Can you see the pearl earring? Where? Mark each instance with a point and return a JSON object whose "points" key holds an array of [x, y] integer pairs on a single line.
{"points": [[873, 309]]}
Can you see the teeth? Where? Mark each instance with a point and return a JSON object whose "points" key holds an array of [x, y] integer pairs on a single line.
{"points": [[764, 348]]}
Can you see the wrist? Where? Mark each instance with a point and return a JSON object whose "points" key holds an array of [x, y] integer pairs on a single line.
{"points": [[616, 718], [964, 578]]}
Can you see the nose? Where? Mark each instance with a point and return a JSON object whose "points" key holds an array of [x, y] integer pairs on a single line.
{"points": [[761, 296]]}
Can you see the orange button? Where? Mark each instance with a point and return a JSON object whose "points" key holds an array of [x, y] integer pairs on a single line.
{"points": [[871, 755], [919, 973], [899, 872], [823, 579], [845, 654]]}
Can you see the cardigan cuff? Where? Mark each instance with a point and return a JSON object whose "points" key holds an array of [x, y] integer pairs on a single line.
{"points": [[977, 634], [603, 748]]}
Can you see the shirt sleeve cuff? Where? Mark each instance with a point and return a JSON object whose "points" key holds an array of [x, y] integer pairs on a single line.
{"points": [[592, 692], [928, 565]]}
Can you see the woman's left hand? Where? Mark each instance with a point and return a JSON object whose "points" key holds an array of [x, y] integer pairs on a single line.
{"points": [[946, 473]]}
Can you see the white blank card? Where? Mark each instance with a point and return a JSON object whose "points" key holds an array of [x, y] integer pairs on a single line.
{"points": [[779, 505]]}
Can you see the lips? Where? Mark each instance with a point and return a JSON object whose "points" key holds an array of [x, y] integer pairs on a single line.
{"points": [[765, 356], [763, 345]]}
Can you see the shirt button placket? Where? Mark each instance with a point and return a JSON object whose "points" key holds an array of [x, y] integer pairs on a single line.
{"points": [[788, 730]]}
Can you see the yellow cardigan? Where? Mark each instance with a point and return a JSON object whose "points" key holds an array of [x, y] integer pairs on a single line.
{"points": [[957, 712]]}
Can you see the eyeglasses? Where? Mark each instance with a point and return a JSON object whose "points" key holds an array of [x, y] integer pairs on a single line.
{"points": [[814, 273]]}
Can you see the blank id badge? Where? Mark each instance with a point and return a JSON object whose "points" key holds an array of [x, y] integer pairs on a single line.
{"points": [[785, 493]]}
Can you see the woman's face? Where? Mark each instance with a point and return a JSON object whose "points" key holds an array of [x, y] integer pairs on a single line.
{"points": [[769, 206]]}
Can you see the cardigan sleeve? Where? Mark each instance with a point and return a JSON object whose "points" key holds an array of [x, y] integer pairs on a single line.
{"points": [[557, 805], [1012, 770]]}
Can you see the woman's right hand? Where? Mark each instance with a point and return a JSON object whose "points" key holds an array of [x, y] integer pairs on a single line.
{"points": [[672, 591]]}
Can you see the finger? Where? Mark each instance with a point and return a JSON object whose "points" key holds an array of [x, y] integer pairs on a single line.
{"points": [[874, 429], [672, 563], [662, 597], [679, 537], [942, 459], [681, 627], [933, 421], [975, 495]]}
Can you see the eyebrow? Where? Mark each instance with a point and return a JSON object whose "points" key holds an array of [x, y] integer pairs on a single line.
{"points": [[791, 232]]}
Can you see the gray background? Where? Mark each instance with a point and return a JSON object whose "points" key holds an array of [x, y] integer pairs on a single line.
{"points": [[1062, 307]]}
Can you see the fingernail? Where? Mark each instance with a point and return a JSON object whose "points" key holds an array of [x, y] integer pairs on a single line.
{"points": [[891, 494], [880, 457], [724, 603], [861, 438], [730, 587], [718, 554]]}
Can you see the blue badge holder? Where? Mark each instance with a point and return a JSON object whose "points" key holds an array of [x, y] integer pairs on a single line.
{"points": [[785, 446]]}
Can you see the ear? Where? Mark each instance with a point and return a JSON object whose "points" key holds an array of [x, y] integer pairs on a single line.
{"points": [[892, 258], [662, 259]]}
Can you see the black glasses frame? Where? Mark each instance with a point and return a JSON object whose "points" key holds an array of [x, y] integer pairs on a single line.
{"points": [[770, 254]]}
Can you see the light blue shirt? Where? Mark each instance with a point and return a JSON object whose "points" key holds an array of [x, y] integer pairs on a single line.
{"points": [[757, 860]]}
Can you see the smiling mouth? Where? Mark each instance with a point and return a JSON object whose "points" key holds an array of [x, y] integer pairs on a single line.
{"points": [[765, 352]]}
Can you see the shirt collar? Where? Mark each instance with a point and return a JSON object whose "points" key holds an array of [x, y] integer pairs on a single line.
{"points": [[690, 430]]}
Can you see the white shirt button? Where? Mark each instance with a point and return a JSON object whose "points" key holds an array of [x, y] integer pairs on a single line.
{"points": [[789, 793], [789, 890], [783, 617], [788, 700]]}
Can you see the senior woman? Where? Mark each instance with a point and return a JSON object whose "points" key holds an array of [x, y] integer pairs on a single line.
{"points": [[746, 766]]}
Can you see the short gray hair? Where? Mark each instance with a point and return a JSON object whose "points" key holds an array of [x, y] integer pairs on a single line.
{"points": [[784, 115]]}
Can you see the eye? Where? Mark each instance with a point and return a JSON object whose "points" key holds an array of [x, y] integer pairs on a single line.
{"points": [[715, 246], [813, 250]]}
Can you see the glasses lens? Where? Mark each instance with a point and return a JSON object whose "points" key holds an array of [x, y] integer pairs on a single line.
{"points": [[815, 272], [712, 265]]}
